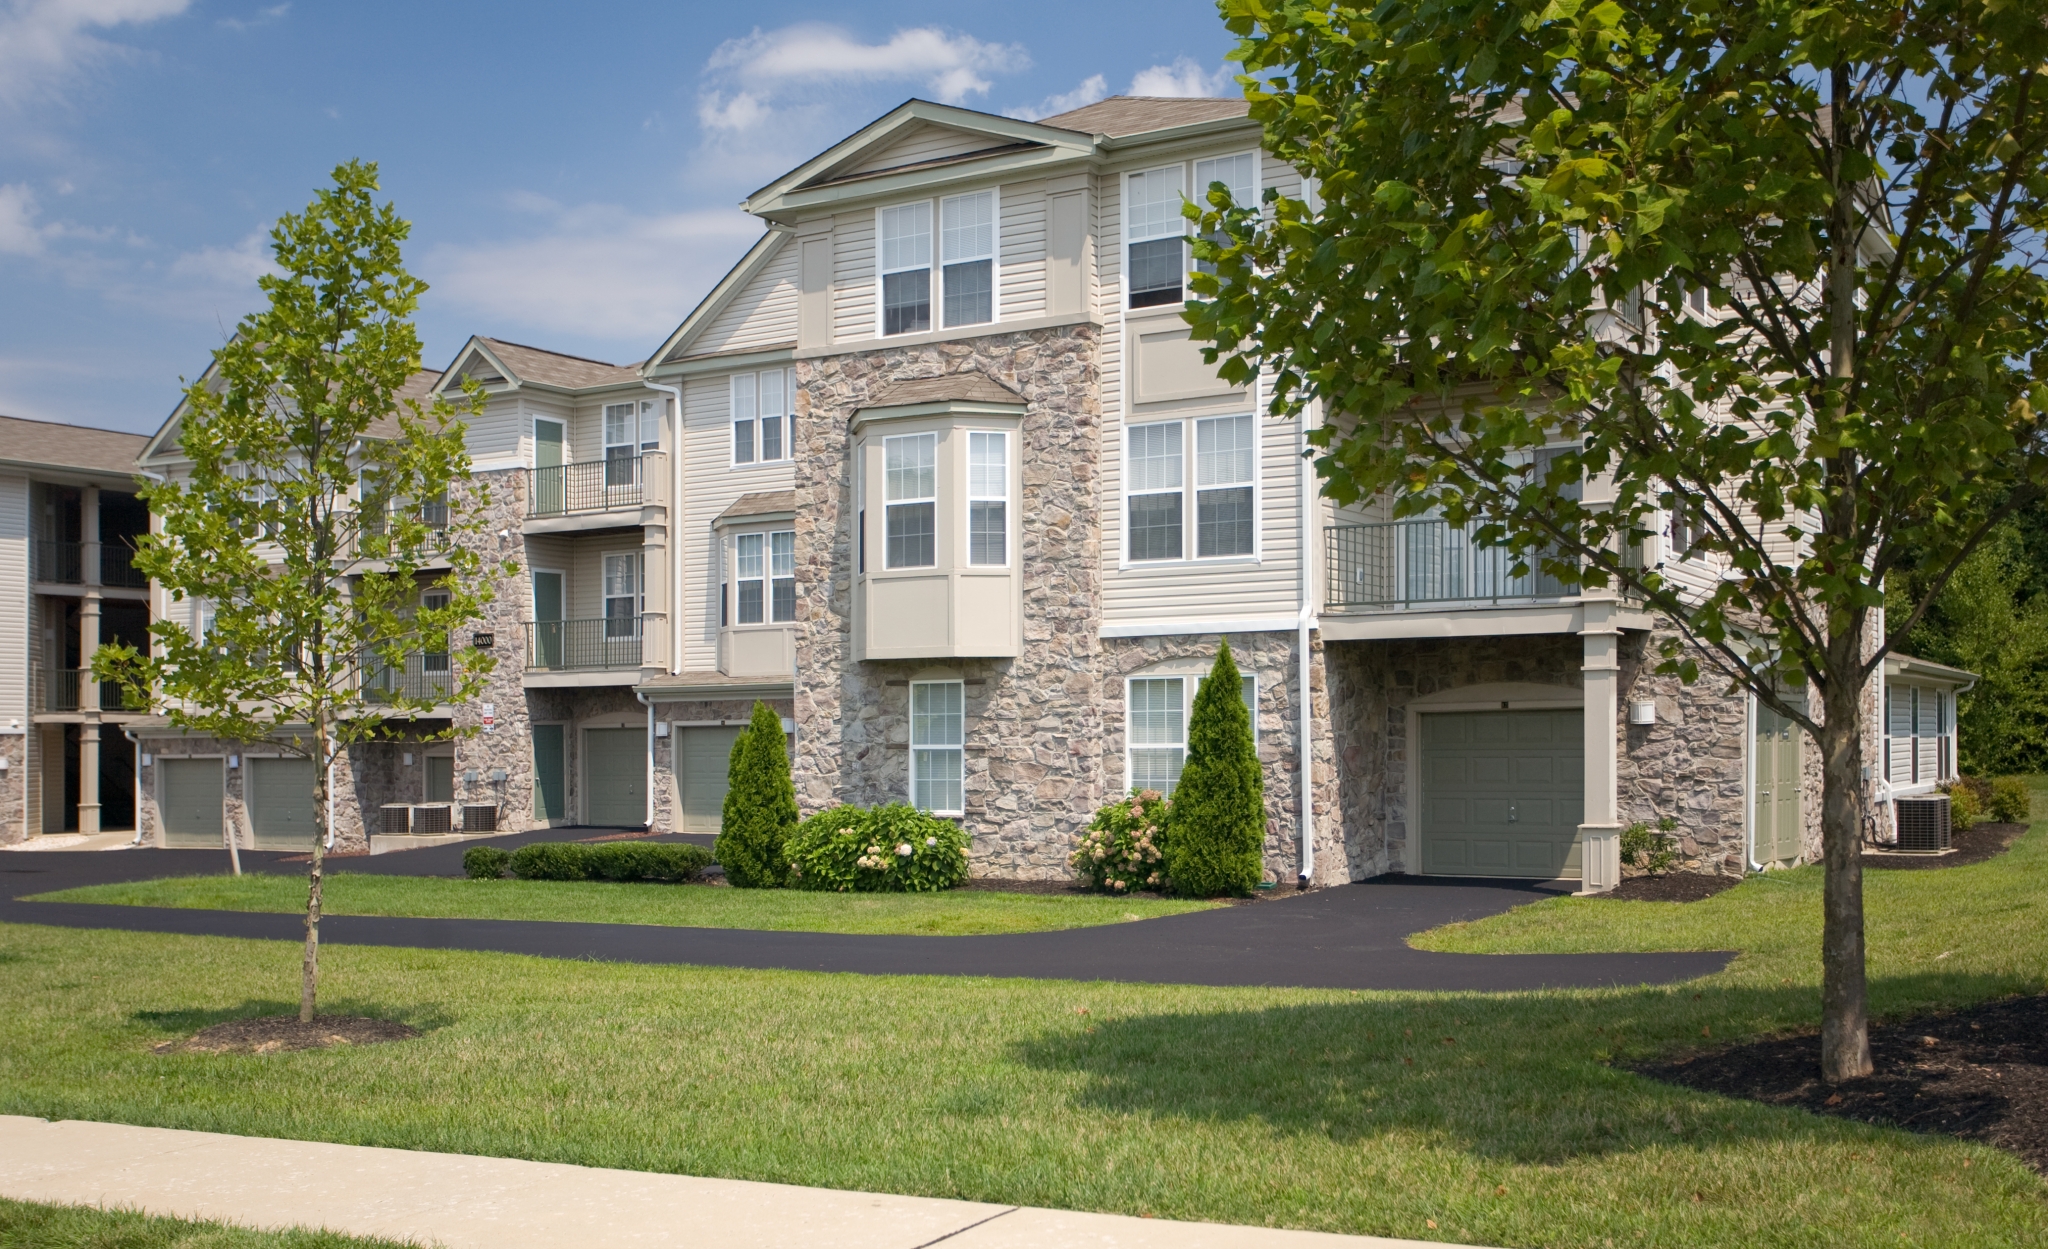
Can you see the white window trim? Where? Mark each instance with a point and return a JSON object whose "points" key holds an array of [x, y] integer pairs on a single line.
{"points": [[730, 585], [937, 266], [959, 751], [639, 582], [1188, 542], [969, 499], [732, 460], [1191, 684], [938, 472]]}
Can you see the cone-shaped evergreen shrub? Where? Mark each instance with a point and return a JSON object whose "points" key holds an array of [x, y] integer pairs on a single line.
{"points": [[760, 806], [1217, 825]]}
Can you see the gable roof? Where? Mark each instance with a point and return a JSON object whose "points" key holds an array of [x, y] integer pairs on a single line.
{"points": [[729, 286], [556, 368], [52, 444], [968, 387], [1122, 115], [421, 386]]}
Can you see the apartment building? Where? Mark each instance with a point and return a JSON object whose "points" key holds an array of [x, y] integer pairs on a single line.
{"points": [[937, 471]]}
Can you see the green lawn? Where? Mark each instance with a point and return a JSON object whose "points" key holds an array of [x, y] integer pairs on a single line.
{"points": [[951, 914], [1503, 1119], [32, 1225]]}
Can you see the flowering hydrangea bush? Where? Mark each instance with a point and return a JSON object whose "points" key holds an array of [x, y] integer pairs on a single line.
{"points": [[1120, 851], [892, 849]]}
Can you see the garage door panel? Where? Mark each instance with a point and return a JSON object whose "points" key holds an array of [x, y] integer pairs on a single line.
{"points": [[1502, 792], [703, 763], [281, 803], [615, 766], [189, 801]]}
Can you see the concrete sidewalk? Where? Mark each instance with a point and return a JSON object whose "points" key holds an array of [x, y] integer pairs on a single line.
{"points": [[460, 1201]]}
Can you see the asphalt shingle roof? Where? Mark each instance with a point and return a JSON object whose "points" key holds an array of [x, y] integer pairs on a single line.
{"points": [[57, 445], [1121, 115]]}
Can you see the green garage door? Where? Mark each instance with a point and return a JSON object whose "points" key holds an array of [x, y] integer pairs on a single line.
{"points": [[615, 767], [281, 802], [189, 801], [703, 757], [1503, 793]]}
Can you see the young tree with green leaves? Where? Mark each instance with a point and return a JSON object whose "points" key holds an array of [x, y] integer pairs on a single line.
{"points": [[760, 805], [318, 509], [1216, 825], [1771, 269]]}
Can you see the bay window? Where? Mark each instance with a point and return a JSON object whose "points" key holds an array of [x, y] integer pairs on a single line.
{"points": [[937, 741], [764, 577], [910, 494], [988, 495]]}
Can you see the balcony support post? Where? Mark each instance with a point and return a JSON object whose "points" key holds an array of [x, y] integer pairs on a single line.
{"points": [[89, 692], [89, 532], [1600, 833]]}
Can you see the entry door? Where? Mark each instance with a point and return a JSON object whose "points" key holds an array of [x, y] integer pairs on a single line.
{"points": [[1503, 793], [615, 775], [547, 617], [1778, 785], [550, 477], [440, 778], [550, 776], [281, 802], [189, 801], [703, 763]]}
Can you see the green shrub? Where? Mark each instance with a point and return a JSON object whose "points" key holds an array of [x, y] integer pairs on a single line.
{"points": [[1654, 851], [1121, 849], [892, 849], [1967, 798], [1216, 827], [760, 806], [609, 860], [2010, 802], [485, 862], [550, 860]]}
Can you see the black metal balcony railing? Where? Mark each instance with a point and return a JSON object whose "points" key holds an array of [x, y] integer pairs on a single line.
{"points": [[592, 486], [61, 562], [433, 514], [422, 677], [65, 563], [73, 689], [117, 566], [570, 645], [1405, 563]]}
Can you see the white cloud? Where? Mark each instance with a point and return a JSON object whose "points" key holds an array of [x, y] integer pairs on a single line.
{"points": [[262, 17], [233, 268], [743, 111], [19, 233], [1093, 88], [44, 42], [749, 79], [1184, 78], [597, 271]]}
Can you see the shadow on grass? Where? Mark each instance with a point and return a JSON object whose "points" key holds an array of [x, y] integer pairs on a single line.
{"points": [[187, 1022], [1531, 1079]]}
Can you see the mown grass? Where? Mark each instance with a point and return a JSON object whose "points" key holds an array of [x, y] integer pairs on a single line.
{"points": [[34, 1225], [1498, 1120], [951, 914]]}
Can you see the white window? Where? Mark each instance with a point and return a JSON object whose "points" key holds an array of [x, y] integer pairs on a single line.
{"points": [[630, 429], [1238, 174], [911, 496], [763, 427], [937, 715], [988, 498], [906, 260], [434, 661], [1154, 230], [967, 252], [202, 619], [622, 592], [1156, 727], [1225, 476], [764, 576]]}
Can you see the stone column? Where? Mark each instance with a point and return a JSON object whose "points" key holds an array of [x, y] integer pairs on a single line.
{"points": [[1600, 833]]}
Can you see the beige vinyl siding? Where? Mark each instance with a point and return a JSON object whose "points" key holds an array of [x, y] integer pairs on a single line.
{"points": [[762, 313], [920, 143], [853, 276], [499, 432], [14, 598], [555, 407], [1022, 249], [711, 484], [1276, 173]]}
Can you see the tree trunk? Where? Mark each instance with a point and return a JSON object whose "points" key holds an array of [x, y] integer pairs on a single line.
{"points": [[1844, 999], [310, 977]]}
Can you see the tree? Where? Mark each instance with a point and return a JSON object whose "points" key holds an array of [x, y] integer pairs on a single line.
{"points": [[760, 806], [316, 504], [1770, 269], [1216, 826]]}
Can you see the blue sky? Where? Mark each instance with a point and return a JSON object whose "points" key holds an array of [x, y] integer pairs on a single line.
{"points": [[570, 170]]}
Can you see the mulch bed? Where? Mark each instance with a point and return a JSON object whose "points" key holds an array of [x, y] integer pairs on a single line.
{"points": [[1971, 845], [1980, 1074], [1670, 887], [273, 1034]]}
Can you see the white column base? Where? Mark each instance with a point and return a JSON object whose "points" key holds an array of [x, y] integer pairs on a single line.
{"points": [[1599, 858]]}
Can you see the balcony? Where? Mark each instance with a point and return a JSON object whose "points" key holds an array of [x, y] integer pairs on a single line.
{"points": [[585, 645], [1426, 563], [73, 689], [625, 481], [65, 563], [423, 677]]}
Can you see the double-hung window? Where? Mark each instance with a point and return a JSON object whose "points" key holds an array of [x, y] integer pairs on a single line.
{"points": [[764, 576], [967, 254], [435, 662], [630, 430], [1237, 174], [762, 425], [988, 498], [906, 246], [1155, 232], [622, 595], [1156, 727], [911, 499], [1226, 455], [937, 727]]}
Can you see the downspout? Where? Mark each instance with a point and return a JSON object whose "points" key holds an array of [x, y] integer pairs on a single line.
{"points": [[675, 542], [330, 803], [649, 819], [128, 733], [1304, 739]]}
